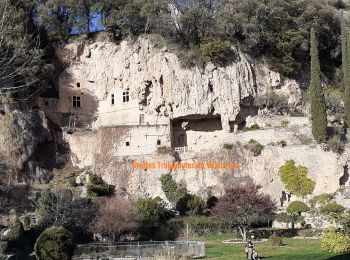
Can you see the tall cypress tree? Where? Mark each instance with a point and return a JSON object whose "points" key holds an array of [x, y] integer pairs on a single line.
{"points": [[318, 104], [344, 50], [346, 78]]}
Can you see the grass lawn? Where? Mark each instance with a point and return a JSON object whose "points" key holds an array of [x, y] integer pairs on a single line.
{"points": [[294, 249]]}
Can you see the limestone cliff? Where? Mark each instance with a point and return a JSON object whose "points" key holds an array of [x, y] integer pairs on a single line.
{"points": [[157, 80], [166, 90], [29, 146], [194, 109]]}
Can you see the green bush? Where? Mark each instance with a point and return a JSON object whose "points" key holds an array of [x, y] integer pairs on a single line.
{"points": [[54, 243], [335, 242], [297, 207], [100, 190], [201, 225], [191, 205], [196, 205], [282, 143], [321, 199], [211, 202], [150, 211], [334, 101], [228, 146], [219, 52], [191, 57], [331, 208], [266, 233], [275, 240], [254, 147], [172, 190], [283, 217], [295, 179], [251, 128], [309, 232], [287, 218], [272, 101], [97, 187], [284, 123], [294, 210]]}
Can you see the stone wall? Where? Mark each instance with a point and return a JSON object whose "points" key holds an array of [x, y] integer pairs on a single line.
{"points": [[325, 167], [109, 142]]}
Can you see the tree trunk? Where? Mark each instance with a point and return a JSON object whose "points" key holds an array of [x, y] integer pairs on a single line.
{"points": [[243, 232]]}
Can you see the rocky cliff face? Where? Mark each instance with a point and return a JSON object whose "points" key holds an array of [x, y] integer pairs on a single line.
{"points": [[29, 147], [166, 89], [29, 150], [157, 79]]}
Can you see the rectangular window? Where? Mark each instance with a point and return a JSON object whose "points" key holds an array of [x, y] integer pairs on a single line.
{"points": [[78, 85], [112, 99], [76, 101], [159, 142], [127, 143], [142, 119], [126, 96]]}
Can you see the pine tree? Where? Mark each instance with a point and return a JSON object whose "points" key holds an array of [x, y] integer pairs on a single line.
{"points": [[318, 104]]}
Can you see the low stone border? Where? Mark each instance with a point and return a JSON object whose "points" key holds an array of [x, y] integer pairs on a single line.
{"points": [[239, 241]]}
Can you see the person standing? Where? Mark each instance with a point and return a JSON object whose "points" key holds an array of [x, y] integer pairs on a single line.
{"points": [[246, 250], [250, 247]]}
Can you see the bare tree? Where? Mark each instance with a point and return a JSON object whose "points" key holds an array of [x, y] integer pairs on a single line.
{"points": [[60, 207], [20, 56], [115, 217]]}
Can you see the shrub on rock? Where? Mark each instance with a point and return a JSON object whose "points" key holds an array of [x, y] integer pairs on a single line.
{"points": [[218, 52], [254, 147], [321, 199], [332, 208], [97, 187]]}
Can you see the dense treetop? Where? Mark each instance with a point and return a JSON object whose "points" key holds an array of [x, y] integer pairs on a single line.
{"points": [[276, 30]]}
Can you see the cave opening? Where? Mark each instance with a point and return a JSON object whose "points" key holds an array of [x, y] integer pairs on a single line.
{"points": [[345, 178], [195, 123]]}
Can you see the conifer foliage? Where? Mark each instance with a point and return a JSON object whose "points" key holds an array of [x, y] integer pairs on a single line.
{"points": [[318, 104]]}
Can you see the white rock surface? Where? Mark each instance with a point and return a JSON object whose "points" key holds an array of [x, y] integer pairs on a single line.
{"points": [[175, 91]]}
